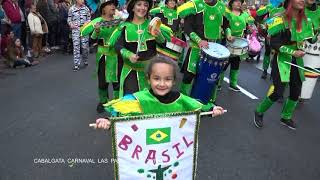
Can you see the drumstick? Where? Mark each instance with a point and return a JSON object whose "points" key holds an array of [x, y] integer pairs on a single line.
{"points": [[94, 125], [210, 112], [315, 71]]}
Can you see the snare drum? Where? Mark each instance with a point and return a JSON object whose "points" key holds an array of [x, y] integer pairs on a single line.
{"points": [[211, 64], [238, 47], [172, 49]]}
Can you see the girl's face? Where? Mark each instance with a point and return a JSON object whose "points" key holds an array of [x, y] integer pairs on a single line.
{"points": [[297, 4], [80, 2], [171, 4], [11, 35], [17, 43], [161, 78], [109, 9], [236, 4], [140, 9]]}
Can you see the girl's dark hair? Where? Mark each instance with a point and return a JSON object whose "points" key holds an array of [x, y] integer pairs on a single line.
{"points": [[130, 7], [162, 59]]}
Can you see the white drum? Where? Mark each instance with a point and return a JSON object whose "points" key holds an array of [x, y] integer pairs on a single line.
{"points": [[312, 60], [312, 49], [308, 86], [238, 47]]}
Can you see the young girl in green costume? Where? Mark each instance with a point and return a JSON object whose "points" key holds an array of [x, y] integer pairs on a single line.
{"points": [[159, 99], [108, 67], [136, 45], [288, 31]]}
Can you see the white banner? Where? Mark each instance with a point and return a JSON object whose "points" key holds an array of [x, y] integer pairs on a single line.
{"points": [[156, 148]]}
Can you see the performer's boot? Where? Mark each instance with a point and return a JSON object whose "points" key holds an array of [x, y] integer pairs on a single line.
{"points": [[234, 80], [103, 98], [258, 113], [266, 63], [115, 94], [287, 112], [185, 88]]}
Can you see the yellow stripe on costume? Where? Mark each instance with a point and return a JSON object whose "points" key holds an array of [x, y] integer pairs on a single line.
{"points": [[185, 6], [125, 106], [276, 21], [271, 90]]}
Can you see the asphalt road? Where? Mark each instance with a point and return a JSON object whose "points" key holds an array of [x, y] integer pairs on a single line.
{"points": [[45, 112]]}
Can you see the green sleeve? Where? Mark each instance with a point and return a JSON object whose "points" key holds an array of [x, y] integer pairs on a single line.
{"points": [[88, 28], [125, 53], [228, 32], [194, 37], [287, 50], [155, 11], [166, 31], [94, 35], [115, 35]]}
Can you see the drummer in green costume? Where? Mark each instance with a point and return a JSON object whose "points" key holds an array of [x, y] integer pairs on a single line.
{"points": [[108, 67], [136, 45], [288, 31], [237, 20], [269, 11], [169, 17], [162, 74], [203, 23]]}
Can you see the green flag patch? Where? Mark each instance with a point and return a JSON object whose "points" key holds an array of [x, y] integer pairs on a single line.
{"points": [[158, 135]]}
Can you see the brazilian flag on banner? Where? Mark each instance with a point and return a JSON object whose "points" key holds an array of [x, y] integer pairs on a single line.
{"points": [[158, 135]]}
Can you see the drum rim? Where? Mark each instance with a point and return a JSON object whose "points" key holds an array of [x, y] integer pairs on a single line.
{"points": [[221, 46]]}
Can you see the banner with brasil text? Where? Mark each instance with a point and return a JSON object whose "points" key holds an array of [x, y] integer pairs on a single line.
{"points": [[156, 147]]}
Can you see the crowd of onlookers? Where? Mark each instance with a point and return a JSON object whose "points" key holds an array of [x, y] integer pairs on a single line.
{"points": [[33, 28]]}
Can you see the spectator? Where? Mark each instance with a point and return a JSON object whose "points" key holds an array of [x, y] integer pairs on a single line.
{"points": [[49, 12], [64, 29], [78, 15], [12, 10], [16, 55], [38, 27], [7, 37]]}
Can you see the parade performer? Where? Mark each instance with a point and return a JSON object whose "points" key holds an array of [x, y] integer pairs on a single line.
{"points": [[288, 31], [203, 23], [136, 44], [267, 12], [108, 67], [162, 74], [79, 15], [238, 21], [169, 17]]}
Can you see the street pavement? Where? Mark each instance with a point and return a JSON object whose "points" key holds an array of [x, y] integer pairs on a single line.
{"points": [[45, 112]]}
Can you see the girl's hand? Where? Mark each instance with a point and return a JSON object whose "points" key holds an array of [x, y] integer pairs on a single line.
{"points": [[134, 58], [203, 44], [217, 111], [103, 123], [97, 27], [156, 32], [298, 53], [230, 38]]}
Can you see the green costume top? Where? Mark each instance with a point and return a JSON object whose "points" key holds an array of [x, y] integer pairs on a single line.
{"points": [[104, 49], [168, 16], [129, 39], [313, 13], [237, 24], [202, 21], [286, 40], [144, 102]]}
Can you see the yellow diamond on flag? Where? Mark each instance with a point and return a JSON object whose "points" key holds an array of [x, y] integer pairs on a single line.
{"points": [[158, 136]]}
